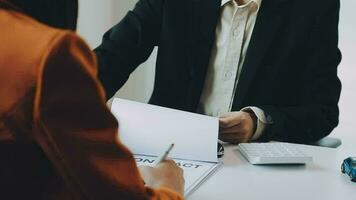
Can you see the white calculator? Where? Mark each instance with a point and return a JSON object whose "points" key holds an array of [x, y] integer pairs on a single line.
{"points": [[273, 153]]}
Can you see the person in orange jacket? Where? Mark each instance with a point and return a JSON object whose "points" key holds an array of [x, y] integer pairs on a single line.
{"points": [[58, 140]]}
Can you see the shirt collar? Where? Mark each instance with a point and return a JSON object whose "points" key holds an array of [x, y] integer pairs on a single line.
{"points": [[258, 2]]}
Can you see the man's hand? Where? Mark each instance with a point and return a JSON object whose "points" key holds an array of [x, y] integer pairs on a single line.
{"points": [[166, 174], [237, 127]]}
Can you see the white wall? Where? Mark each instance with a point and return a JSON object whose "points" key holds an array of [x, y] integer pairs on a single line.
{"points": [[97, 16]]}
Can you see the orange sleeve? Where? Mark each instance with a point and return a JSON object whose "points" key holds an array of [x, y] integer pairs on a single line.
{"points": [[78, 133]]}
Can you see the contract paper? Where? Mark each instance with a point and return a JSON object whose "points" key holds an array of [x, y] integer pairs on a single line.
{"points": [[195, 172], [148, 130]]}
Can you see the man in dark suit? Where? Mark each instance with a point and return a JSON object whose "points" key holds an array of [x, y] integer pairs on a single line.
{"points": [[267, 68]]}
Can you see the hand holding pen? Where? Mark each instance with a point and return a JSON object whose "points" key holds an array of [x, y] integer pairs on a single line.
{"points": [[164, 173], [164, 156]]}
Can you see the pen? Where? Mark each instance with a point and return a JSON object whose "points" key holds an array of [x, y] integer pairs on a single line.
{"points": [[164, 155]]}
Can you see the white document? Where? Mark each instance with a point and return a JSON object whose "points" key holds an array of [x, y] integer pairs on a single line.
{"points": [[195, 172], [148, 130]]}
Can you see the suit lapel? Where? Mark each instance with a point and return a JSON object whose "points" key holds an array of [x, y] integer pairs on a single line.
{"points": [[205, 14], [266, 29]]}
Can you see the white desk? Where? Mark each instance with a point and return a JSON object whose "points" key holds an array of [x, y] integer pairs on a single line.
{"points": [[321, 180]]}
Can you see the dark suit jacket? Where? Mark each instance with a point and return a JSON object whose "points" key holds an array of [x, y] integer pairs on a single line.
{"points": [[290, 69]]}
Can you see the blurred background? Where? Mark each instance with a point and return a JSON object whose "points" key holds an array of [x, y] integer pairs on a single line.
{"points": [[96, 17]]}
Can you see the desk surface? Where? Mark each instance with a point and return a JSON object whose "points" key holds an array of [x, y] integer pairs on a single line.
{"points": [[322, 179]]}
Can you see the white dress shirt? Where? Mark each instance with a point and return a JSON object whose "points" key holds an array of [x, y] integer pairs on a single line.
{"points": [[233, 34]]}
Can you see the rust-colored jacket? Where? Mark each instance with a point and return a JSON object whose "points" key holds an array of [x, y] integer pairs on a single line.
{"points": [[57, 138]]}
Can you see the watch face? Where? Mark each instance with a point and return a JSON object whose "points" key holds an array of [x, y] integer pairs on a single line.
{"points": [[220, 150]]}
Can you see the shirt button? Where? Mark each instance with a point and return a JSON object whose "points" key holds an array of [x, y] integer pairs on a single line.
{"points": [[228, 75], [236, 32], [269, 119]]}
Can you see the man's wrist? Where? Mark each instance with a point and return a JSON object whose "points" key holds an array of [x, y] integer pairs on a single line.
{"points": [[254, 120], [261, 121]]}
